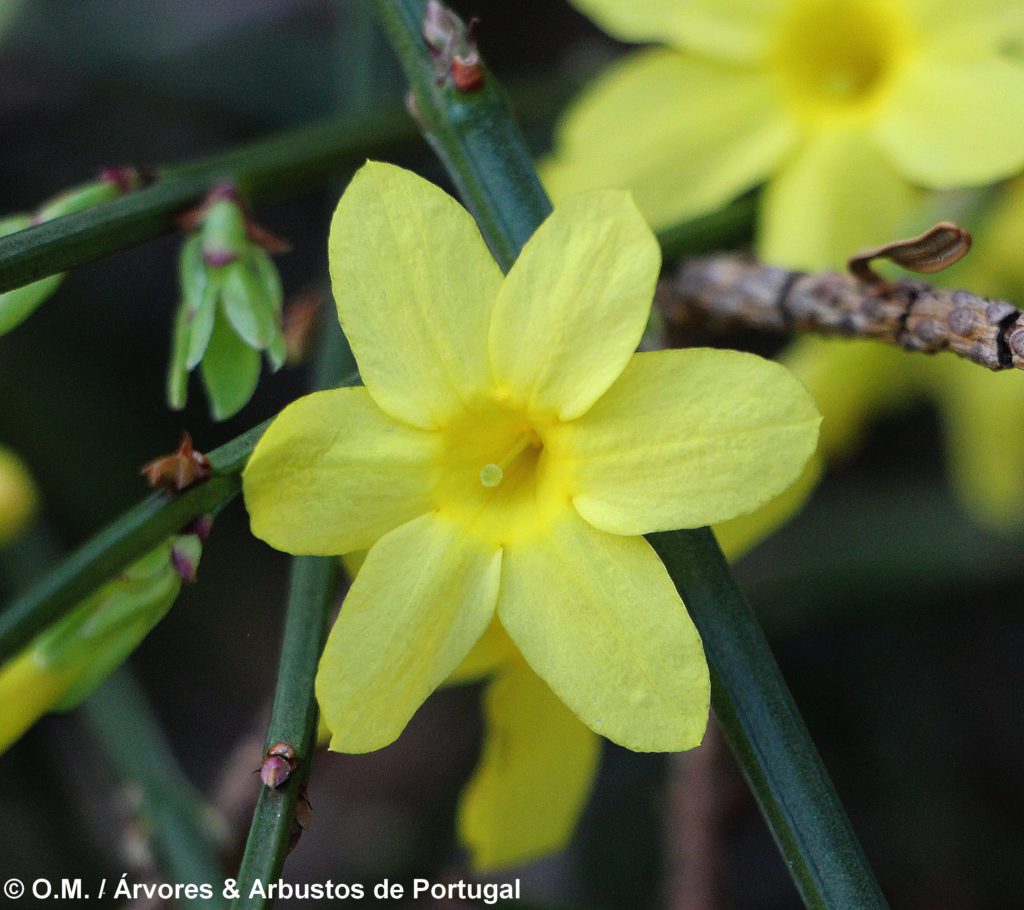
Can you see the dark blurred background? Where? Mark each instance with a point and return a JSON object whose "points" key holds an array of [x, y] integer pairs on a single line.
{"points": [[897, 622]]}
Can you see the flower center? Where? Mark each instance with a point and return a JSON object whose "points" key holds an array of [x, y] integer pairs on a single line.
{"points": [[836, 58], [497, 477], [493, 473]]}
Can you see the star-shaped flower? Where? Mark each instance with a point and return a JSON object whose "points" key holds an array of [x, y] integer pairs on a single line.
{"points": [[842, 107], [505, 457]]}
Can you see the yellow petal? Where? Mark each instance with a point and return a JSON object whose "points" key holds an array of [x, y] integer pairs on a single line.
{"points": [[599, 620], [683, 133], [27, 691], [956, 28], [535, 773], [422, 599], [983, 419], [955, 122], [730, 29], [839, 195], [333, 473], [688, 438], [492, 653], [739, 535], [415, 286], [574, 306]]}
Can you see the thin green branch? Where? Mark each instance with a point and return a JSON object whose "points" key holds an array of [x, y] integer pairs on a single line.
{"points": [[179, 823], [475, 136], [293, 721], [271, 169], [757, 713], [132, 535], [764, 729], [127, 538]]}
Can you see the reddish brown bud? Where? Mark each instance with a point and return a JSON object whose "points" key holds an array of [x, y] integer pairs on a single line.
{"points": [[278, 764], [275, 771], [127, 178], [266, 239], [178, 470], [467, 73]]}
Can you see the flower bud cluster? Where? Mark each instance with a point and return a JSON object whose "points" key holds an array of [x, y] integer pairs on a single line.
{"points": [[230, 309]]}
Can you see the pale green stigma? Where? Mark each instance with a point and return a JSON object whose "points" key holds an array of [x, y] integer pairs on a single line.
{"points": [[491, 475]]}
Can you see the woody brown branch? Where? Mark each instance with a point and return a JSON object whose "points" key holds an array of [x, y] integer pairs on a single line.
{"points": [[726, 293]]}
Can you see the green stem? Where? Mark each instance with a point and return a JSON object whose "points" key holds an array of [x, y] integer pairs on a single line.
{"points": [[293, 721], [475, 136], [764, 729], [177, 818], [267, 170], [127, 538], [750, 697]]}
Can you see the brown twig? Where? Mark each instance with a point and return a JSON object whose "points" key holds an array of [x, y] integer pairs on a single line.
{"points": [[725, 293], [699, 800]]}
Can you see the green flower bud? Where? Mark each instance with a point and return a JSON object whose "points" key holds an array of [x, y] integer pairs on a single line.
{"points": [[230, 310]]}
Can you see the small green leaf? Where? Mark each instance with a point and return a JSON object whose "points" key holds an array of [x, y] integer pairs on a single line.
{"points": [[78, 198], [268, 276], [177, 369], [276, 352], [17, 305], [202, 321], [230, 371], [247, 307]]}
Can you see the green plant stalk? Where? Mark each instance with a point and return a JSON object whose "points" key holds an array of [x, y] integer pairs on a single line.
{"points": [[763, 727], [293, 720], [475, 136], [750, 698], [178, 820], [132, 535], [144, 526], [265, 171]]}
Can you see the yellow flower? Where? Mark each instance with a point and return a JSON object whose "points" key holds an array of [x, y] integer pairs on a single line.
{"points": [[844, 107], [504, 458]]}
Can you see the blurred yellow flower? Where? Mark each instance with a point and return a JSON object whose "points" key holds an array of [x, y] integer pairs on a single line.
{"points": [[843, 107], [18, 497], [504, 458]]}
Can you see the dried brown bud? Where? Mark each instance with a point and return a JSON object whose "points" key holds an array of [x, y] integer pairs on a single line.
{"points": [[303, 819], [934, 250], [178, 470], [299, 323]]}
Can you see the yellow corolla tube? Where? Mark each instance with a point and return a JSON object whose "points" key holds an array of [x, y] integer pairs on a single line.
{"points": [[18, 497]]}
